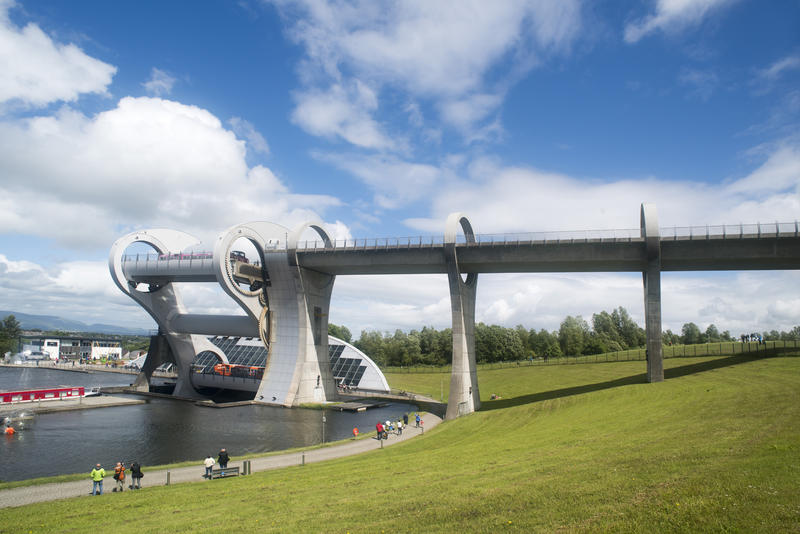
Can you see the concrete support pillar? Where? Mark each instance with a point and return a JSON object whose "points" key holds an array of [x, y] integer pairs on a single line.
{"points": [[313, 376], [158, 354], [464, 396], [315, 379], [651, 277], [162, 302], [290, 311]]}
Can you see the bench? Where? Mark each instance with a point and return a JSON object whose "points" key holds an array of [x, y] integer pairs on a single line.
{"points": [[227, 472]]}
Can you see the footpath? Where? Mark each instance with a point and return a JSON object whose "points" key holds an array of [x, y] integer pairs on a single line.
{"points": [[65, 490]]}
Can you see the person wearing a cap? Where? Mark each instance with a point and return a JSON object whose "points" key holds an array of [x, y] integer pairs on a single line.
{"points": [[97, 479]]}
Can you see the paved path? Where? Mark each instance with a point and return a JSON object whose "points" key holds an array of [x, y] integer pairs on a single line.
{"points": [[51, 492]]}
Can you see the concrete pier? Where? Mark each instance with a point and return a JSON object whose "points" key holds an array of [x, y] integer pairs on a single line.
{"points": [[66, 405], [652, 293], [464, 395]]}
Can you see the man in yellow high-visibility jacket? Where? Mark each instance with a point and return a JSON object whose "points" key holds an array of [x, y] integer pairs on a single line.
{"points": [[97, 479]]}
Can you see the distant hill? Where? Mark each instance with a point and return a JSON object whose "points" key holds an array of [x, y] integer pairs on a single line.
{"points": [[51, 322]]}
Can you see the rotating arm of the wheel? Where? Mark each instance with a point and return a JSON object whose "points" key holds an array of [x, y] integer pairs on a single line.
{"points": [[296, 234]]}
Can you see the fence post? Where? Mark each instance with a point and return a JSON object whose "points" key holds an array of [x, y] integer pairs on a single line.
{"points": [[167, 477]]}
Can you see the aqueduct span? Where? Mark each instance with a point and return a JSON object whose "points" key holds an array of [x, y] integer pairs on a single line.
{"points": [[286, 293]]}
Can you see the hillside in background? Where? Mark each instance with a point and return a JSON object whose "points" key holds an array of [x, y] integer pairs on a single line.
{"points": [[50, 322]]}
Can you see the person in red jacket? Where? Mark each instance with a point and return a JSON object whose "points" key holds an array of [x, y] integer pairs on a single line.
{"points": [[379, 428]]}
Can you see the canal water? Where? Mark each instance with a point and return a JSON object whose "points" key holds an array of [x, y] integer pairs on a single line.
{"points": [[158, 432]]}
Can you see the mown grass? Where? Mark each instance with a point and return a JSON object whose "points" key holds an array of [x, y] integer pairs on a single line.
{"points": [[569, 448], [512, 379]]}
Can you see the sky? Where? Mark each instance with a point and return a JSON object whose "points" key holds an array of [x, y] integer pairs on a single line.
{"points": [[381, 118]]}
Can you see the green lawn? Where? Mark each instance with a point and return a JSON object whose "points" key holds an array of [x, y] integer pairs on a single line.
{"points": [[586, 448]]}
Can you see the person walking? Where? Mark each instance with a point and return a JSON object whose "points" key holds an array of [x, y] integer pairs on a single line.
{"points": [[209, 463], [223, 458], [399, 428], [97, 479], [119, 476], [136, 476], [416, 419], [405, 419], [379, 430]]}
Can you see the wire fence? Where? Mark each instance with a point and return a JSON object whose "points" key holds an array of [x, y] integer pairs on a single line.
{"points": [[767, 348]]}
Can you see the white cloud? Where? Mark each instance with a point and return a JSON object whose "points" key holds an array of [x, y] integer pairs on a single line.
{"points": [[147, 162], [514, 199], [737, 301], [247, 131], [160, 83], [517, 199], [37, 71], [701, 83], [81, 290], [770, 77], [344, 113], [740, 302], [396, 182], [672, 16], [783, 65], [389, 302], [442, 51], [465, 113], [779, 173]]}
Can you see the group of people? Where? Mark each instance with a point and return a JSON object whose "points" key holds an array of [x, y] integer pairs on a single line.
{"points": [[134, 469], [396, 427], [222, 460], [750, 338]]}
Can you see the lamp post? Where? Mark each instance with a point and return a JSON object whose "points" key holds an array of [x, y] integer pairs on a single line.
{"points": [[323, 426]]}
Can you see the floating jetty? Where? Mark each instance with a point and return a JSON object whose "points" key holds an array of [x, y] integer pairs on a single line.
{"points": [[358, 406], [57, 400]]}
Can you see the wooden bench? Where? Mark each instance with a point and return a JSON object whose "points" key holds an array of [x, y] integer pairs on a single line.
{"points": [[227, 472]]}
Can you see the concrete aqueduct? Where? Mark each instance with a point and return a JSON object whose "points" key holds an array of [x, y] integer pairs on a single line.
{"points": [[286, 294]]}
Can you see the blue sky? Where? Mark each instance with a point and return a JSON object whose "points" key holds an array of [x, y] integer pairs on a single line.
{"points": [[381, 118]]}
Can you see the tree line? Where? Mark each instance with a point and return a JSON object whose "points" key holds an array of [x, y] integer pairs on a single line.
{"points": [[608, 332], [10, 331]]}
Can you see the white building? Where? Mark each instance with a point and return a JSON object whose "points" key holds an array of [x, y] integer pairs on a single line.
{"points": [[73, 348]]}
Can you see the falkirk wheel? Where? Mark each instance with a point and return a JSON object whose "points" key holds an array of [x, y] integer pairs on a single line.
{"points": [[285, 311]]}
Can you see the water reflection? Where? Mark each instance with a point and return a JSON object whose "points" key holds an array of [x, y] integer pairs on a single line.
{"points": [[161, 431]]}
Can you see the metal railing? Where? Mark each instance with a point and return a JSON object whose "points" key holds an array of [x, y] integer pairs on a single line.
{"points": [[481, 240], [674, 233], [731, 231], [726, 231]]}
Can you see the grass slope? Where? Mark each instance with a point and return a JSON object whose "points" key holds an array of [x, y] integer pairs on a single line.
{"points": [[573, 448]]}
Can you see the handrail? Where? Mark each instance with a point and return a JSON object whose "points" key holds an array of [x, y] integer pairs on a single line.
{"points": [[674, 233]]}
